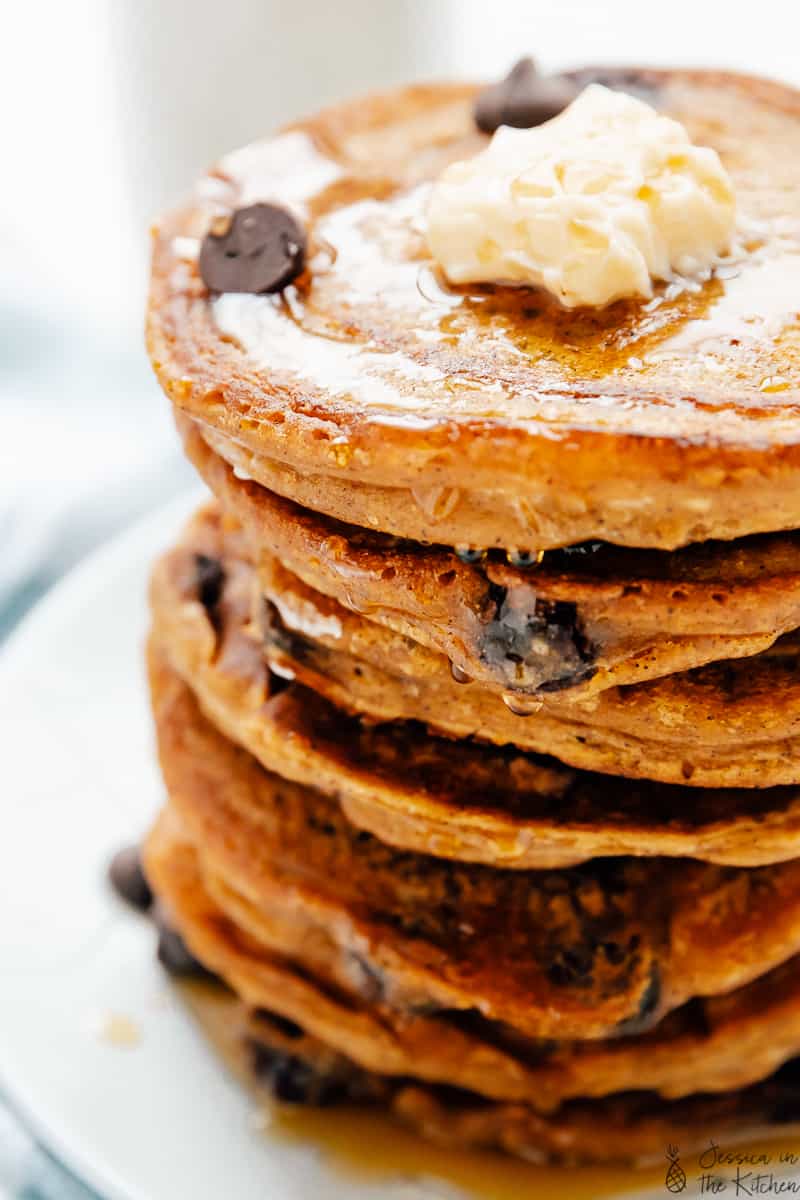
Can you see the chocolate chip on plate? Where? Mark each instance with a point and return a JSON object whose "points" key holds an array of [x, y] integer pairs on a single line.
{"points": [[173, 953], [523, 99], [293, 1080], [128, 878], [261, 249], [209, 580]]}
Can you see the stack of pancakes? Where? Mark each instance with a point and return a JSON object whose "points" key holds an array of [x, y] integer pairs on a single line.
{"points": [[476, 686]]}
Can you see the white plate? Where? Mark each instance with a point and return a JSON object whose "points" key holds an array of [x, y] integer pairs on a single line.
{"points": [[159, 1120], [162, 1119]]}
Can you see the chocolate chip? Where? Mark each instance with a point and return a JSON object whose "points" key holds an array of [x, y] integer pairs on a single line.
{"points": [[128, 878], [173, 953], [581, 675], [542, 640], [523, 99], [209, 580], [262, 249], [572, 968], [292, 1079]]}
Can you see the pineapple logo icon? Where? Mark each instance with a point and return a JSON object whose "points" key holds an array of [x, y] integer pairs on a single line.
{"points": [[676, 1176]]}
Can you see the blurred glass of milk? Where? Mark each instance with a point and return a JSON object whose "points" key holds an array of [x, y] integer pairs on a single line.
{"points": [[196, 78], [113, 108]]}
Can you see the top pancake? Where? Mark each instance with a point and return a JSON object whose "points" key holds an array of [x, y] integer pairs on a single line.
{"points": [[490, 416]]}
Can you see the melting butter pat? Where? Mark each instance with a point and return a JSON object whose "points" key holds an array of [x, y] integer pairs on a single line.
{"points": [[593, 205]]}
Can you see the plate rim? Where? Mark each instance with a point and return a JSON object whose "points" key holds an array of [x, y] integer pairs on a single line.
{"points": [[84, 1162]]}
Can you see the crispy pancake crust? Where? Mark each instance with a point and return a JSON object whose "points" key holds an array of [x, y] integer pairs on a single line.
{"points": [[733, 724], [616, 623], [453, 799], [361, 1050], [485, 415], [728, 724], [632, 1127], [599, 950]]}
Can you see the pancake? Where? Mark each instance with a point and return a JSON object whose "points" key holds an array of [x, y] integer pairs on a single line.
{"points": [[631, 1127], [456, 800], [485, 415], [361, 1051], [599, 950], [489, 584], [730, 724], [576, 625]]}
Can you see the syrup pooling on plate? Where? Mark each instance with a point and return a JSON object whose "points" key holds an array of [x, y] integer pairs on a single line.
{"points": [[379, 318], [363, 1145]]}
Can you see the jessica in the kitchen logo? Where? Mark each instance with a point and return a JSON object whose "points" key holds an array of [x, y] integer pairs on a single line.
{"points": [[735, 1173]]}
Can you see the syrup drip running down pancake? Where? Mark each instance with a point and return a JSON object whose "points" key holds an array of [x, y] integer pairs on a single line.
{"points": [[733, 724]]}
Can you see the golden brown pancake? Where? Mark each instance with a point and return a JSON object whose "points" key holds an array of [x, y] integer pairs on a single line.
{"points": [[728, 724], [362, 1049], [731, 724], [576, 625], [454, 799], [598, 950], [632, 1127], [484, 415]]}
